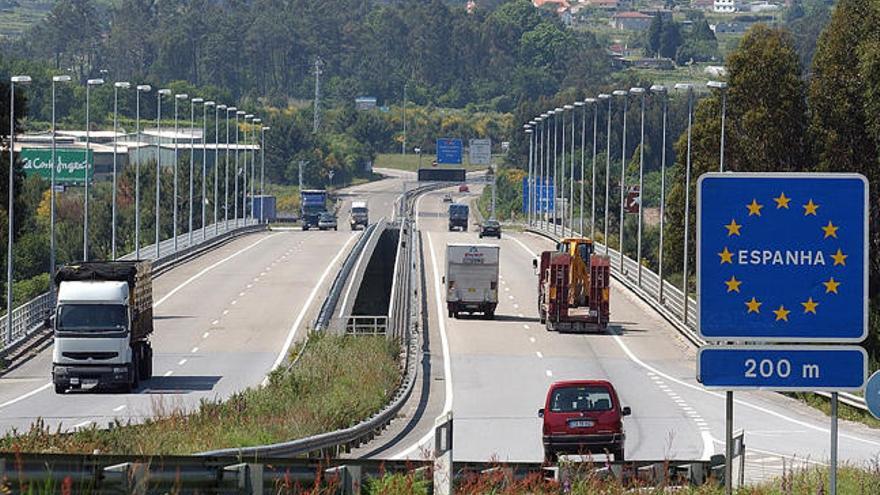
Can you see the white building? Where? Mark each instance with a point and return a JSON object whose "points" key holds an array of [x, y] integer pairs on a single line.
{"points": [[724, 6]]}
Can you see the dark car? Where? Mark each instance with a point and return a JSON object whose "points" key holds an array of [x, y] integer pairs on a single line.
{"points": [[490, 228], [327, 221], [583, 417]]}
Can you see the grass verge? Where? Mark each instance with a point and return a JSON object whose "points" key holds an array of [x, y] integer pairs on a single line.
{"points": [[337, 382]]}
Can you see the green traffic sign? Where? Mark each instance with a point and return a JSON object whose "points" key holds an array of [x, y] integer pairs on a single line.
{"points": [[70, 164]]}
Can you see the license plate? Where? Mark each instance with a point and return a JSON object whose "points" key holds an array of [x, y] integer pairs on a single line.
{"points": [[472, 290], [90, 381], [580, 423]]}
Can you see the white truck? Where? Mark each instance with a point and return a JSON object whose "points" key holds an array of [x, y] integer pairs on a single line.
{"points": [[471, 279], [103, 322], [359, 215]]}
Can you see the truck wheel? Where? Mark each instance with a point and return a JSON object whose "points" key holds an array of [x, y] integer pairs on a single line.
{"points": [[60, 389], [146, 364], [618, 454], [489, 314], [550, 456]]}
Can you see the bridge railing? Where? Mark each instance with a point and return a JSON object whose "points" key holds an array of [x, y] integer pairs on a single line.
{"points": [[670, 304], [29, 318]]}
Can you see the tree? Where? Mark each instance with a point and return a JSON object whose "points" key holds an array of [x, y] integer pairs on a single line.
{"points": [[652, 37], [670, 39]]}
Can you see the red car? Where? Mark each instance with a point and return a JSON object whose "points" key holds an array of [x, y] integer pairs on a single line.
{"points": [[463, 188], [583, 417]]}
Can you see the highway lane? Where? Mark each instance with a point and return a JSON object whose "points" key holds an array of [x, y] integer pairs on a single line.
{"points": [[222, 321], [500, 371]]}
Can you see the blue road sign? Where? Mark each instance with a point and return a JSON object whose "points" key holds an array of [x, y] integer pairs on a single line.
{"points": [[782, 367], [449, 151], [543, 195], [872, 394], [782, 257]]}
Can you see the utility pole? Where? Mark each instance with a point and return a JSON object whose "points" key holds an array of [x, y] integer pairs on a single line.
{"points": [[302, 163], [403, 149], [316, 119]]}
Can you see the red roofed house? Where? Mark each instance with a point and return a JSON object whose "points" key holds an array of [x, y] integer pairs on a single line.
{"points": [[631, 21], [560, 5]]}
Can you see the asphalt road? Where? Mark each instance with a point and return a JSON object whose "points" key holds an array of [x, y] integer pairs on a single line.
{"points": [[222, 321], [494, 376]]}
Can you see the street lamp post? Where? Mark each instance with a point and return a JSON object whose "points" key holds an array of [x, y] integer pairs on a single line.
{"points": [[89, 84], [640, 92], [263, 130], [557, 113], [625, 96], [143, 88], [22, 80], [722, 87], [239, 113], [595, 104], [217, 161], [226, 172], [687, 195], [258, 123], [116, 87], [583, 145], [529, 133], [159, 95], [571, 173], [660, 90], [605, 96], [55, 79], [244, 202], [177, 98], [192, 151], [205, 165]]}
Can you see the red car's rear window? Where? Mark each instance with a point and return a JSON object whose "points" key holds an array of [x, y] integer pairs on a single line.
{"points": [[580, 399]]}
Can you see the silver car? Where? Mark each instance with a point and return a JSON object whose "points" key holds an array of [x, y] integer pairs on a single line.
{"points": [[327, 221]]}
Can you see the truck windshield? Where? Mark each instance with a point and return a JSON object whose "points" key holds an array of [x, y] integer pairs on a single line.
{"points": [[92, 317], [359, 211]]}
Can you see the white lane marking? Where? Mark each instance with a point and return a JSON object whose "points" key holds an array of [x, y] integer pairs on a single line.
{"points": [[25, 396], [769, 452], [215, 322], [520, 315], [250, 285], [305, 308], [548, 373], [209, 268], [444, 344], [168, 373], [510, 297], [225, 312], [507, 289], [526, 327], [741, 402], [256, 279], [119, 408], [262, 274], [84, 423], [234, 302], [240, 293], [532, 340], [194, 350], [538, 353], [206, 335], [181, 362]]}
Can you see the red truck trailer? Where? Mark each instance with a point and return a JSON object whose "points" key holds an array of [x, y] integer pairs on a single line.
{"points": [[567, 275]]}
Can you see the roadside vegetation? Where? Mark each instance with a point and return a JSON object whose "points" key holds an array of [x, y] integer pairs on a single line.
{"points": [[336, 382]]}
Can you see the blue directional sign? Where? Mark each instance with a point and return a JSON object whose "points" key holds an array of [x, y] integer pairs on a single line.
{"points": [[782, 367], [449, 151], [543, 195], [872, 394], [782, 257]]}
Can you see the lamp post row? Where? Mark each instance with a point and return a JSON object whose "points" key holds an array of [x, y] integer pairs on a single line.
{"points": [[546, 177], [21, 80]]}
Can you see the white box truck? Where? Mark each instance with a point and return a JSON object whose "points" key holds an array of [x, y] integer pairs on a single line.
{"points": [[359, 215], [471, 279], [103, 322]]}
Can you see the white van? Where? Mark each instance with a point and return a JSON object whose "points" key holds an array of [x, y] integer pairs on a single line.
{"points": [[472, 279]]}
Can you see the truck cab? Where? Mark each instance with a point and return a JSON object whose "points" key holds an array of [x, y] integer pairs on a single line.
{"points": [[359, 215], [313, 202], [458, 216], [101, 327]]}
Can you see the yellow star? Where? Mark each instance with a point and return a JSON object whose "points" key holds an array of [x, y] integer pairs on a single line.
{"points": [[732, 228], [810, 208], [754, 208], [727, 256], [831, 285], [830, 230], [809, 306], [733, 284], [782, 201], [754, 305], [839, 258], [781, 313]]}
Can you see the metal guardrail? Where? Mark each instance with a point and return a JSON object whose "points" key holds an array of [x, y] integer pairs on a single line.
{"points": [[671, 305], [400, 325], [100, 474], [30, 317], [328, 307]]}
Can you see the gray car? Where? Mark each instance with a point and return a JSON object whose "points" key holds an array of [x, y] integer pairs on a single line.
{"points": [[327, 221]]}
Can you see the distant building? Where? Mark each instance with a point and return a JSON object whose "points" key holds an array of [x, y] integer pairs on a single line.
{"points": [[609, 5], [725, 6], [703, 4], [730, 28], [716, 70], [365, 103], [558, 5], [471, 6], [631, 21], [763, 6], [663, 14], [652, 63]]}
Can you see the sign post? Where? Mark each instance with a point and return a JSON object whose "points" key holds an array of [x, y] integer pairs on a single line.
{"points": [[782, 258]]}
